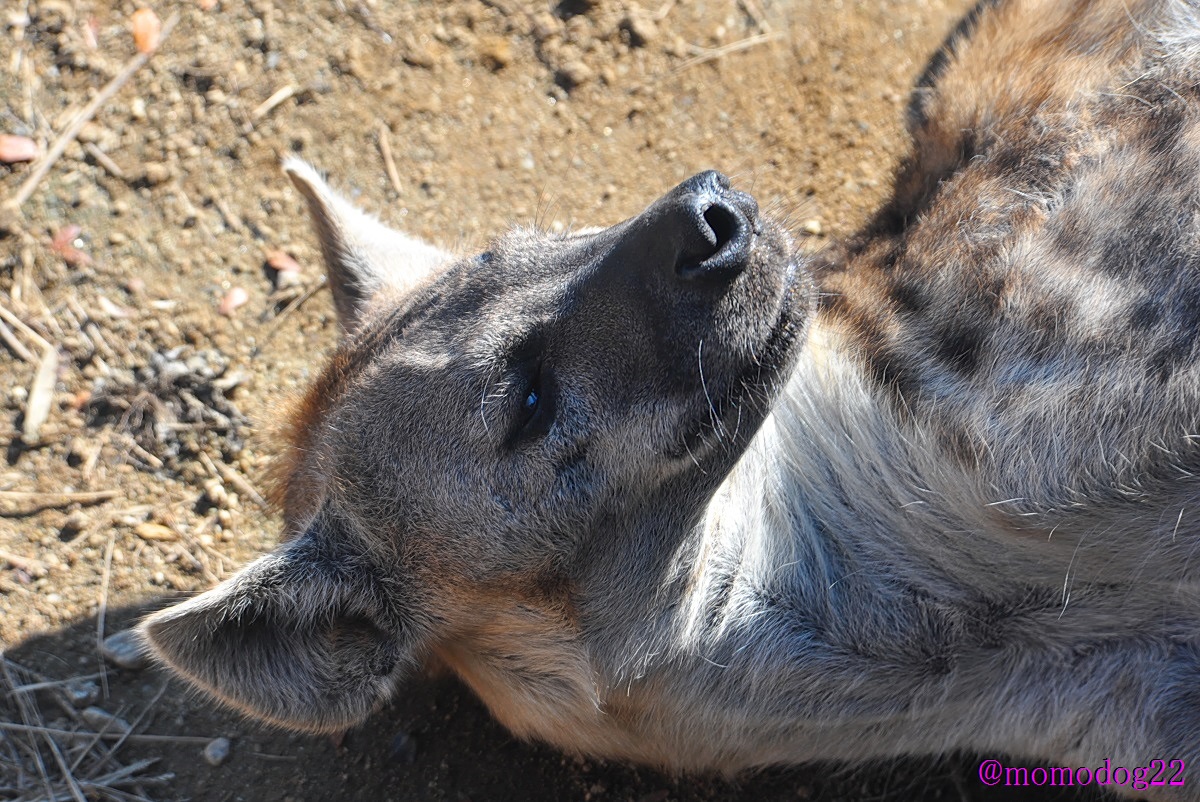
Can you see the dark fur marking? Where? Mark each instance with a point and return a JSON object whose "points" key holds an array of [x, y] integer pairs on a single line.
{"points": [[1184, 325], [941, 59], [909, 296], [889, 370], [960, 445], [1146, 315], [1168, 359], [959, 345]]}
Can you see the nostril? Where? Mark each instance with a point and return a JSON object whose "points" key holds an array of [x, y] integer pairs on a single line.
{"points": [[724, 223], [721, 241]]}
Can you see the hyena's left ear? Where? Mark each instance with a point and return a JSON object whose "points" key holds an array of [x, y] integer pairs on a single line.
{"points": [[301, 637], [362, 256]]}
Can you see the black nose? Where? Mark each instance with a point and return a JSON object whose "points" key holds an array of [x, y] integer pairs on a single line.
{"points": [[712, 226]]}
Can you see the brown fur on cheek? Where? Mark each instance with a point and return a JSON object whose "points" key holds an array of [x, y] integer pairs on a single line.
{"points": [[294, 482], [526, 659]]}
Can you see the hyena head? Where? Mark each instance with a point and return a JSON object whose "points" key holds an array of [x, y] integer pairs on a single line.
{"points": [[482, 420]]}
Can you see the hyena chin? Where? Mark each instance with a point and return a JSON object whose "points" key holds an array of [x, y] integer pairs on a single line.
{"points": [[652, 501]]}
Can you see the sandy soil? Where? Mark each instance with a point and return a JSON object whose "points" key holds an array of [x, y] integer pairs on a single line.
{"points": [[495, 112]]}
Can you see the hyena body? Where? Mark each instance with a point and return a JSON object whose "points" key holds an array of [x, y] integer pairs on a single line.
{"points": [[669, 492]]}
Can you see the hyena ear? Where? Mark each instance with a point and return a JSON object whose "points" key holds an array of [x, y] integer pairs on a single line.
{"points": [[297, 638], [362, 256]]}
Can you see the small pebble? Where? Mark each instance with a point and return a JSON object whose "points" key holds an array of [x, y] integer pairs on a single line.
{"points": [[217, 496], [91, 132], [283, 262], [126, 650], [102, 720], [156, 173], [82, 694], [18, 149], [237, 296], [574, 73], [147, 30], [640, 29], [76, 522], [286, 270], [217, 751]]}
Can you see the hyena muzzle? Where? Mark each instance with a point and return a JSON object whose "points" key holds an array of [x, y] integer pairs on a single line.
{"points": [[671, 492]]}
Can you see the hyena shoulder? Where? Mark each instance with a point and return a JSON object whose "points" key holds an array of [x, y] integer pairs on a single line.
{"points": [[1036, 276]]}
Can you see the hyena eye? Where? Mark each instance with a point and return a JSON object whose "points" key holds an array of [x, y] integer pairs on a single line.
{"points": [[531, 401], [531, 389], [535, 413]]}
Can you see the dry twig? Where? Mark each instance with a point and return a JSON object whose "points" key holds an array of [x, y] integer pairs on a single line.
{"points": [[220, 470], [59, 499], [724, 50], [389, 164], [68, 735], [30, 565], [268, 105], [39, 502]]}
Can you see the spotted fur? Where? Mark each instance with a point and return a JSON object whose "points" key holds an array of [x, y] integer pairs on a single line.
{"points": [[952, 504]]}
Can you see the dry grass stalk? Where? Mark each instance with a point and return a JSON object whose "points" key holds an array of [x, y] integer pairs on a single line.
{"points": [[102, 615], [11, 319], [104, 160], [14, 344]]}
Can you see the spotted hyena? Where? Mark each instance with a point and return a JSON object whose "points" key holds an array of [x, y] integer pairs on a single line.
{"points": [[671, 492]]}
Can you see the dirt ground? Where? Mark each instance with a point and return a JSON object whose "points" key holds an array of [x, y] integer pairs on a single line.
{"points": [[163, 391]]}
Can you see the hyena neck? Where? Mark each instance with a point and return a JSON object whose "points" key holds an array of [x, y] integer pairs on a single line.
{"points": [[843, 518], [829, 556], [838, 489]]}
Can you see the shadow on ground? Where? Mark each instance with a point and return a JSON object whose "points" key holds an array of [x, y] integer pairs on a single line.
{"points": [[437, 742]]}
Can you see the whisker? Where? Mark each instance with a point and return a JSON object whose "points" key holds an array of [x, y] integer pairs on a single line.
{"points": [[718, 429]]}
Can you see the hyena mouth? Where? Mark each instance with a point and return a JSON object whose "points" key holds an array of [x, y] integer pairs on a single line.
{"points": [[730, 416]]}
